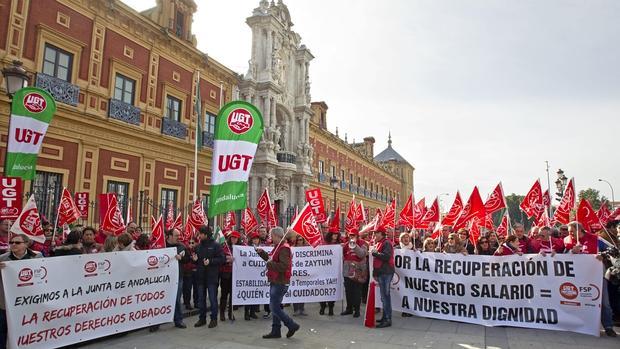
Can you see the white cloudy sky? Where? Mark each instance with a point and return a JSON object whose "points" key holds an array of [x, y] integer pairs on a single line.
{"points": [[474, 91]]}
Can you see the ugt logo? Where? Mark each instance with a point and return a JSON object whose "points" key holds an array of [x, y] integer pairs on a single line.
{"points": [[240, 121], [34, 102]]}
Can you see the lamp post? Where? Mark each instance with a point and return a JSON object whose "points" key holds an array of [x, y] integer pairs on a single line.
{"points": [[613, 200], [334, 183], [560, 184]]}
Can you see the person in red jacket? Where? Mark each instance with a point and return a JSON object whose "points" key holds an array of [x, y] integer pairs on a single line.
{"points": [[545, 243], [383, 272], [355, 270], [579, 241], [279, 266], [509, 247], [524, 241]]}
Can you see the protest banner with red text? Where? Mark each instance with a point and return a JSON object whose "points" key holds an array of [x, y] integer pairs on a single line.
{"points": [[54, 302], [82, 203], [10, 197], [315, 199]]}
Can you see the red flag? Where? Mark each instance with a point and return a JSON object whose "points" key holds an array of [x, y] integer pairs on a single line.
{"points": [[230, 221], [419, 210], [81, 201], [113, 219], [496, 200], [369, 317], [178, 223], [532, 203], [437, 230], [305, 225], [67, 210], [248, 222], [11, 202], [488, 223], [474, 231], [455, 211], [543, 220], [562, 213], [604, 213], [502, 229], [315, 198], [349, 223], [157, 235], [360, 213], [432, 215], [473, 208], [189, 231], [547, 199], [169, 216], [29, 222], [615, 216], [405, 218], [265, 210], [196, 217], [273, 221], [371, 225], [389, 215], [334, 224], [587, 216]]}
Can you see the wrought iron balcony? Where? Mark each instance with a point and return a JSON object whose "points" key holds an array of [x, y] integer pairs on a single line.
{"points": [[61, 90], [207, 139], [286, 156], [122, 111], [173, 128]]}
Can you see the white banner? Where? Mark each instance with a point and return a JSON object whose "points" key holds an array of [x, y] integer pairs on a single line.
{"points": [[317, 275], [555, 293], [53, 302]]}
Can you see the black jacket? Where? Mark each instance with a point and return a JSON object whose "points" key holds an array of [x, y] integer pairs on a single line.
{"points": [[185, 259], [211, 250]]}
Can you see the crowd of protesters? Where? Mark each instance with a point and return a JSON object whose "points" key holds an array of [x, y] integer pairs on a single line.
{"points": [[205, 266]]}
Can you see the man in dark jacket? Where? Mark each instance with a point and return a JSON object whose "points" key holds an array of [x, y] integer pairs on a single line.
{"points": [[382, 272], [208, 258], [279, 265]]}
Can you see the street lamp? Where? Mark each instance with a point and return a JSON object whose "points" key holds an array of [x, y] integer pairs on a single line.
{"points": [[560, 184], [334, 183], [15, 77], [613, 200]]}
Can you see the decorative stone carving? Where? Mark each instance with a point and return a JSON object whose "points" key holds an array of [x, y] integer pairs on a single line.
{"points": [[282, 188]]}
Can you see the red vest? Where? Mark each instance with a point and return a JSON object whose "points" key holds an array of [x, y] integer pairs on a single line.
{"points": [[275, 256], [377, 262]]}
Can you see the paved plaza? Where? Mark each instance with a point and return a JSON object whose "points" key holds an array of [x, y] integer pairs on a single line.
{"points": [[346, 332]]}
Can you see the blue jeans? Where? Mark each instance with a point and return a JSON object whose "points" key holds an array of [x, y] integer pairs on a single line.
{"points": [[276, 294], [606, 312], [202, 303], [384, 281], [178, 314]]}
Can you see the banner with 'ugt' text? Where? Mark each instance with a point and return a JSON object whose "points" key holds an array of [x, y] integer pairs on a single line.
{"points": [[562, 292], [54, 302], [316, 275]]}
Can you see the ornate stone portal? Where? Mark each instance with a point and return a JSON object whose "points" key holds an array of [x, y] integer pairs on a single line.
{"points": [[277, 82]]}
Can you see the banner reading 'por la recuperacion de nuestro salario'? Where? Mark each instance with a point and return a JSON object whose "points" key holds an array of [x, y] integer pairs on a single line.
{"points": [[54, 302], [316, 275], [562, 292], [238, 129]]}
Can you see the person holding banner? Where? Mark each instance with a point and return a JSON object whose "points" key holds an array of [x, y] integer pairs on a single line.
{"points": [[18, 250], [383, 272], [208, 259], [510, 247], [279, 266], [355, 271], [172, 240]]}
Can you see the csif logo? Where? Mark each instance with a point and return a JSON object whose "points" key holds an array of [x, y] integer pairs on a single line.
{"points": [[240, 121], [34, 102]]}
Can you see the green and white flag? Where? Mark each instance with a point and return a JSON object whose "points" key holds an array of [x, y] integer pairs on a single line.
{"points": [[31, 113], [238, 129]]}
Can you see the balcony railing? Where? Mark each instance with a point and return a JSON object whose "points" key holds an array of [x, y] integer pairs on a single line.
{"points": [[286, 156], [122, 111], [61, 90], [207, 139], [173, 128]]}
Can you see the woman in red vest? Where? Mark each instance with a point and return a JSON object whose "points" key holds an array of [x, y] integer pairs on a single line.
{"points": [[355, 270]]}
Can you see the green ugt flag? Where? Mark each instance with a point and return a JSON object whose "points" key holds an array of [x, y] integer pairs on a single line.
{"points": [[238, 129], [31, 113]]}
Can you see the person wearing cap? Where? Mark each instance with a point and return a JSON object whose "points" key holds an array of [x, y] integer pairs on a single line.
{"points": [[233, 239], [383, 272], [355, 271]]}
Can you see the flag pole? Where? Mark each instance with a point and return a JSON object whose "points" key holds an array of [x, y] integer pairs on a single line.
{"points": [[56, 223], [198, 129]]}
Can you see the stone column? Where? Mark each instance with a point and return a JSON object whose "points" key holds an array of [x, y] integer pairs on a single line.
{"points": [[267, 110], [269, 50]]}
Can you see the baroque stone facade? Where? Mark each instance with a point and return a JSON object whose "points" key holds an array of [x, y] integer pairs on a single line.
{"points": [[277, 82]]}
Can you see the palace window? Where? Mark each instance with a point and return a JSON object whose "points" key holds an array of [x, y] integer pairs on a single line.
{"points": [[122, 193], [210, 123], [168, 196], [124, 89], [57, 62], [47, 187], [179, 24], [173, 108], [321, 167]]}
